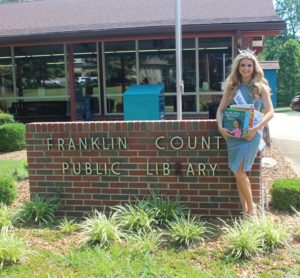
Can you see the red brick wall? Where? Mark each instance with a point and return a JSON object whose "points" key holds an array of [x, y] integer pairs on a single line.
{"points": [[206, 191]]}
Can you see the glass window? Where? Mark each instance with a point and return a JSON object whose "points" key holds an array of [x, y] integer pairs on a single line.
{"points": [[40, 72], [158, 63], [120, 72], [6, 77], [215, 58], [86, 76]]}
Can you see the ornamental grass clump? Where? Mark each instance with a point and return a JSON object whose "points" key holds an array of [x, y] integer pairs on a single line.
{"points": [[184, 230], [165, 209], [12, 249], [8, 217], [242, 240], [135, 218], [297, 224], [39, 210], [102, 230], [146, 243], [68, 226], [273, 235]]}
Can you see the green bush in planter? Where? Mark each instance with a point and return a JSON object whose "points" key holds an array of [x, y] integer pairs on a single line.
{"points": [[8, 190], [12, 137], [6, 118], [286, 194]]}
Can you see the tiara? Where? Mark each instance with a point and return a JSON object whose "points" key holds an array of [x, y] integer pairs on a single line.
{"points": [[246, 52]]}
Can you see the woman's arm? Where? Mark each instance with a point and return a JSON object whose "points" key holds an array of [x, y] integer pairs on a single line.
{"points": [[222, 106], [268, 113]]}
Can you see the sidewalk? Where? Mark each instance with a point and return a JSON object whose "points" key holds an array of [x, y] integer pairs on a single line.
{"points": [[285, 131]]}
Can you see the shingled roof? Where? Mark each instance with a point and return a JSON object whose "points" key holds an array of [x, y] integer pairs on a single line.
{"points": [[55, 18]]}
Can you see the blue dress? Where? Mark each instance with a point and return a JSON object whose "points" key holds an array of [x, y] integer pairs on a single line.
{"points": [[240, 150]]}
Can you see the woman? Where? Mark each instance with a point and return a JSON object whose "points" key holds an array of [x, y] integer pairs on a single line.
{"points": [[246, 83]]}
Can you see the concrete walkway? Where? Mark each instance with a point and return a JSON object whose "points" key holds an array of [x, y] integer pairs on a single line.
{"points": [[285, 131]]}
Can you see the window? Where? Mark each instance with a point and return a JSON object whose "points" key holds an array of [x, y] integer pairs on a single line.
{"points": [[6, 78], [86, 76], [40, 72], [120, 72]]}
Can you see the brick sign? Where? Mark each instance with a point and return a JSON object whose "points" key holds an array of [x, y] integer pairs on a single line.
{"points": [[93, 165]]}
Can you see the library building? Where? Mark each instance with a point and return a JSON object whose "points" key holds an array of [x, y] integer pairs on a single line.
{"points": [[73, 60]]}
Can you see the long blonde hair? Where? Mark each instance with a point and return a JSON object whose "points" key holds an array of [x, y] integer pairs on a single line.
{"points": [[233, 81]]}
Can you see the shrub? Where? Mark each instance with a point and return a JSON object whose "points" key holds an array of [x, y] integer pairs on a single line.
{"points": [[12, 137], [135, 218], [242, 240], [6, 118], [286, 194], [39, 210], [12, 249], [101, 230], [187, 229], [8, 190]]}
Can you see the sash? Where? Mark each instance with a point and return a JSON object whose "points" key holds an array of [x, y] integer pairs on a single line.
{"points": [[239, 98]]}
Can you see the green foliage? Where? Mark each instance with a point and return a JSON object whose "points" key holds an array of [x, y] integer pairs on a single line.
{"points": [[12, 137], [12, 249], [15, 168], [274, 234], [8, 190], [135, 218], [39, 210], [286, 194], [297, 223], [102, 230], [146, 243], [68, 226], [185, 230], [6, 118], [242, 240], [164, 208], [8, 217]]}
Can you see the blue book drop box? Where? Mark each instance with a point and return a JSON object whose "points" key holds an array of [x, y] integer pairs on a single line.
{"points": [[144, 102]]}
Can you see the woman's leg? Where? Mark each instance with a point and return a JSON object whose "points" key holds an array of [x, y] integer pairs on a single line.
{"points": [[244, 189]]}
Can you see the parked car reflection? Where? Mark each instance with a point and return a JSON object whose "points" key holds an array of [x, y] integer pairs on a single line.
{"points": [[295, 103]]}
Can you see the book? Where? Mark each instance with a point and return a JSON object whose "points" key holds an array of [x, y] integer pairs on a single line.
{"points": [[248, 107], [237, 121]]}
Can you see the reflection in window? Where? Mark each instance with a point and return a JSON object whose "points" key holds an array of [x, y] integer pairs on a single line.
{"points": [[120, 72], [86, 78], [215, 57], [6, 78], [40, 72]]}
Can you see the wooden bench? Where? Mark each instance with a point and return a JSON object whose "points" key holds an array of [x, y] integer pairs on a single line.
{"points": [[39, 111]]}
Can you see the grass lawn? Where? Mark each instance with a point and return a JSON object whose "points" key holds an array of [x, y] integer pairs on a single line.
{"points": [[287, 110], [13, 168]]}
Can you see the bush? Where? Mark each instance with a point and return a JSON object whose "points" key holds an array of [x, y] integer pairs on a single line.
{"points": [[8, 190], [8, 217], [12, 137], [6, 118], [286, 194]]}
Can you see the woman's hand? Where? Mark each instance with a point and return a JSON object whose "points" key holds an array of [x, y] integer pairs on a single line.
{"points": [[225, 132], [251, 133]]}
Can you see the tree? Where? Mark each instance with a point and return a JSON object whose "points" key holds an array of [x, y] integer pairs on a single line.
{"points": [[289, 74], [286, 49]]}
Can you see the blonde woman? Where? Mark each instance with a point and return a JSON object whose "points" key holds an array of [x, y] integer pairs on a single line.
{"points": [[246, 83]]}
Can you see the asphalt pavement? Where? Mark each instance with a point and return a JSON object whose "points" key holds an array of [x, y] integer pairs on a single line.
{"points": [[285, 131]]}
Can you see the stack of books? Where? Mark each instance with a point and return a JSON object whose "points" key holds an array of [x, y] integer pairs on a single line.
{"points": [[238, 119]]}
